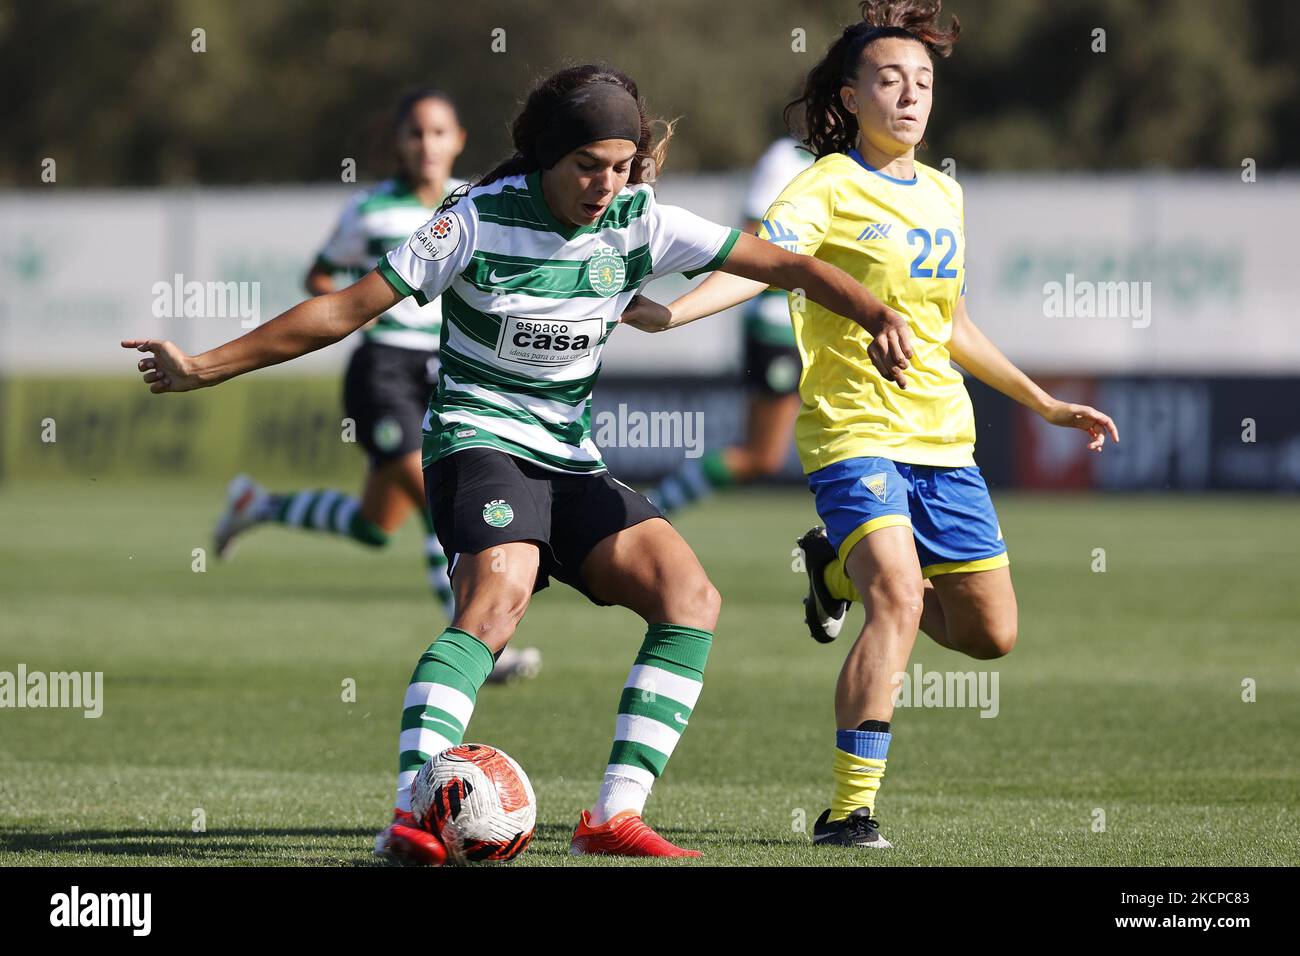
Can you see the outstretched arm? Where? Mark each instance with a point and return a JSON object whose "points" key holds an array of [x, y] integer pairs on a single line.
{"points": [[719, 292], [308, 326], [754, 264], [971, 349]]}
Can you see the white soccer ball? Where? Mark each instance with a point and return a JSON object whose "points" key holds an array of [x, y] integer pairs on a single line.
{"points": [[478, 801]]}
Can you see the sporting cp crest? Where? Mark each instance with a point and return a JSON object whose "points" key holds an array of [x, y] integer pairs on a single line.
{"points": [[498, 514], [607, 272]]}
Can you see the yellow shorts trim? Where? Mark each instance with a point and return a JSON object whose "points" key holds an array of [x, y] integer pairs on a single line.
{"points": [[875, 524], [955, 567]]}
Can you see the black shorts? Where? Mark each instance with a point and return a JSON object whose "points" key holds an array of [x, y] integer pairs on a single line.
{"points": [[386, 392], [482, 498], [771, 369]]}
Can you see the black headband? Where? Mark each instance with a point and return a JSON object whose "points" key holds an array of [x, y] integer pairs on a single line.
{"points": [[588, 114]]}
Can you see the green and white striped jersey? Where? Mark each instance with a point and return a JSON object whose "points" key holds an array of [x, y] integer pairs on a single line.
{"points": [[528, 304], [374, 221]]}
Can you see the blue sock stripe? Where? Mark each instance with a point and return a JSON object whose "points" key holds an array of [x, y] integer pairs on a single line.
{"points": [[869, 744]]}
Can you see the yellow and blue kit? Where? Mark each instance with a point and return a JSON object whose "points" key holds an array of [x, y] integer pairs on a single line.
{"points": [[877, 455]]}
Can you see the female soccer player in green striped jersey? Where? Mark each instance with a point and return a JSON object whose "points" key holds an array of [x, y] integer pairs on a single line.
{"points": [[535, 265]]}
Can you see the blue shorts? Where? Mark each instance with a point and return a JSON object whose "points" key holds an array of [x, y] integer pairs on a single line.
{"points": [[948, 509]]}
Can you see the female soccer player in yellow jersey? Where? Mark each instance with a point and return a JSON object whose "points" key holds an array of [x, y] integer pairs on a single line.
{"points": [[910, 529]]}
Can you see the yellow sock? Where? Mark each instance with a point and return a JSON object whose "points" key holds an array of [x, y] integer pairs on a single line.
{"points": [[856, 781], [838, 583]]}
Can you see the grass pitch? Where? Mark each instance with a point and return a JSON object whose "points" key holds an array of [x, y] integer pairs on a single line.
{"points": [[223, 692]]}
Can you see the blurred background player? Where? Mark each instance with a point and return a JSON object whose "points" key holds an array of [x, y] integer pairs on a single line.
{"points": [[391, 373], [770, 364]]}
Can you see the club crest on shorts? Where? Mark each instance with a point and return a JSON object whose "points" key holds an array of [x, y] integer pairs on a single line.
{"points": [[782, 374], [876, 484], [497, 513], [607, 272], [388, 434]]}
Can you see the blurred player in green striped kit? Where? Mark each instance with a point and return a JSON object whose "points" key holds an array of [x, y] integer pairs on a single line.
{"points": [[771, 364], [390, 375]]}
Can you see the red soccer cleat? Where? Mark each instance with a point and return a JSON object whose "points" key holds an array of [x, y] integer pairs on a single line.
{"points": [[624, 834], [405, 841]]}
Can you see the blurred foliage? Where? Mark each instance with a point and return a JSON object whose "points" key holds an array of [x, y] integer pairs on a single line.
{"points": [[287, 89]]}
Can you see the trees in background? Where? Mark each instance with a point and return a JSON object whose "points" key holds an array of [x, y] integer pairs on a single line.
{"points": [[284, 91]]}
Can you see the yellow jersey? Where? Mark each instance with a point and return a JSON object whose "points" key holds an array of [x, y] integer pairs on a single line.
{"points": [[904, 240]]}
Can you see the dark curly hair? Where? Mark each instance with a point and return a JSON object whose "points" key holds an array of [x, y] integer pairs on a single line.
{"points": [[829, 127]]}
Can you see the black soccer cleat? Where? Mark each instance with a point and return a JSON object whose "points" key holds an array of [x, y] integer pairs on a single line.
{"points": [[857, 829], [823, 613]]}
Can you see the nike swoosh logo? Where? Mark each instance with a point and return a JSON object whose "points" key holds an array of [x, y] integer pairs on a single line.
{"points": [[678, 717], [439, 720], [494, 278]]}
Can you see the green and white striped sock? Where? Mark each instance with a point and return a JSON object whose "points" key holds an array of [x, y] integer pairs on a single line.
{"points": [[439, 701], [325, 510], [656, 705]]}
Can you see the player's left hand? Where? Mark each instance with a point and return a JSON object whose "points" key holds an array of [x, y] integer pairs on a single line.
{"points": [[169, 370], [646, 315], [1095, 423]]}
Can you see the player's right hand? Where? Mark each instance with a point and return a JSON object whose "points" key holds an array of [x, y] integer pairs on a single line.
{"points": [[891, 348], [169, 370], [646, 315]]}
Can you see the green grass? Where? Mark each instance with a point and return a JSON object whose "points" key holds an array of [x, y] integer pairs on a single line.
{"points": [[223, 692]]}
